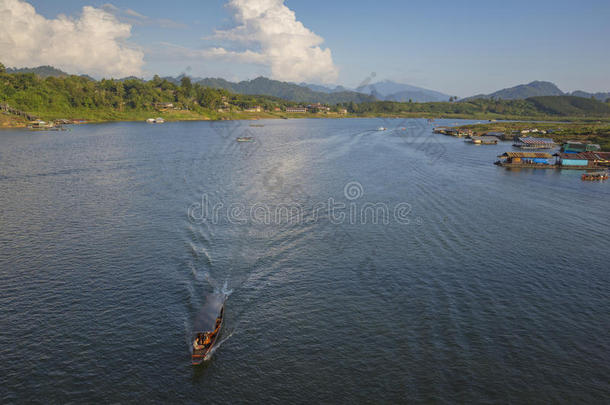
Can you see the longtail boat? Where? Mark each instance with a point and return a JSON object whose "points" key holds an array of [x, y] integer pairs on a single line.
{"points": [[208, 326]]}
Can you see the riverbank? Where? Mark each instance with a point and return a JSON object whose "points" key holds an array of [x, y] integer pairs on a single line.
{"points": [[594, 132], [596, 129], [12, 121]]}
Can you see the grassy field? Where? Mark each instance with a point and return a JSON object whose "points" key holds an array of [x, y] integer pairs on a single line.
{"points": [[11, 121]]}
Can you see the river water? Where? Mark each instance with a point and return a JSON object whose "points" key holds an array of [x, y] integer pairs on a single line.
{"points": [[361, 266]]}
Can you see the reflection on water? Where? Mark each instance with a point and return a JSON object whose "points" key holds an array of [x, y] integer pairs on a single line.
{"points": [[493, 289]]}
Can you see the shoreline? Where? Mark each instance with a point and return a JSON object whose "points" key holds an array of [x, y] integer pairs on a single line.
{"points": [[12, 123]]}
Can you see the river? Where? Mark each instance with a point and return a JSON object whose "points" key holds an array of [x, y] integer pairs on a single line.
{"points": [[361, 266]]}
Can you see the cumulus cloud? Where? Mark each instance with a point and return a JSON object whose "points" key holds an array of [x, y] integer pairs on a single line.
{"points": [[290, 49], [93, 43]]}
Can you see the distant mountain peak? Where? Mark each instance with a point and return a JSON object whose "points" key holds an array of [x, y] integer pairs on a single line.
{"points": [[393, 91], [536, 88], [42, 71], [288, 91]]}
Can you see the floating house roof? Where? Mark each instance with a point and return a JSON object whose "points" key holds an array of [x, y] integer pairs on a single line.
{"points": [[595, 156], [527, 155], [536, 141]]}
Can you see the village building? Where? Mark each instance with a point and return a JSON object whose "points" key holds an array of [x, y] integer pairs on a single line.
{"points": [[296, 109], [583, 159], [254, 109], [318, 107]]}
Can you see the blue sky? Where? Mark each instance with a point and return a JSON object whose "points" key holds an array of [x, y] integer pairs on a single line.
{"points": [[455, 47]]}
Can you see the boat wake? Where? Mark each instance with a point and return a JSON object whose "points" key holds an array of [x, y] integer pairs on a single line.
{"points": [[224, 289], [216, 347]]}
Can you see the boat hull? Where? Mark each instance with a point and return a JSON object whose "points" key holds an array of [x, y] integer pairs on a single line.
{"points": [[198, 357]]}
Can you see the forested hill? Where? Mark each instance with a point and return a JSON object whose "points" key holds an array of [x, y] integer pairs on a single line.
{"points": [[77, 96], [286, 91], [537, 89], [522, 91], [42, 71], [570, 106], [551, 107]]}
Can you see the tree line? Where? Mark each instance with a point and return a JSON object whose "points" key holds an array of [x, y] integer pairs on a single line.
{"points": [[29, 92]]}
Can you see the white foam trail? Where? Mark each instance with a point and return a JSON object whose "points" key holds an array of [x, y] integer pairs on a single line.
{"points": [[211, 352], [225, 288]]}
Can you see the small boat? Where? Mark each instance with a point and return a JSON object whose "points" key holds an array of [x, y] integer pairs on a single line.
{"points": [[381, 129], [245, 139], [209, 325], [157, 120], [595, 176]]}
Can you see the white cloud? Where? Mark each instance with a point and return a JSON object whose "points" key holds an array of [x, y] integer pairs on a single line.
{"points": [[290, 49], [93, 43]]}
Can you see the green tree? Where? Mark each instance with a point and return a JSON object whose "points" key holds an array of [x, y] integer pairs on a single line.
{"points": [[2, 68], [187, 86]]}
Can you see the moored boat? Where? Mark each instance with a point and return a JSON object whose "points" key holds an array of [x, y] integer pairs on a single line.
{"points": [[245, 139], [209, 325], [595, 176]]}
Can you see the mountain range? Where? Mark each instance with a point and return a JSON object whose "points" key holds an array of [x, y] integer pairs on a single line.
{"points": [[388, 90], [383, 90], [42, 71], [392, 91], [536, 89], [286, 91]]}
